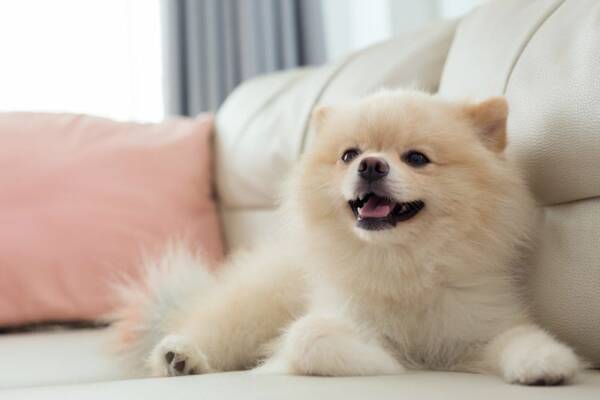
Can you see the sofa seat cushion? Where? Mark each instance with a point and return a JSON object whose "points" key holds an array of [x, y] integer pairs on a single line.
{"points": [[55, 358], [242, 385], [78, 364]]}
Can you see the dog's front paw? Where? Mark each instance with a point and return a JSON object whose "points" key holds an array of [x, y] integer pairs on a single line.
{"points": [[542, 364], [176, 355], [329, 346], [273, 366]]}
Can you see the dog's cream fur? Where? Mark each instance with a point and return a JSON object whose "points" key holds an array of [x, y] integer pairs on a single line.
{"points": [[325, 297]]}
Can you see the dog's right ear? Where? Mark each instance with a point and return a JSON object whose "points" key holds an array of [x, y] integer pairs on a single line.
{"points": [[490, 118], [319, 115]]}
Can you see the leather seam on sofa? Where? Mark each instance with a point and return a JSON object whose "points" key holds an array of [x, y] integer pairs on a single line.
{"points": [[266, 101], [526, 42], [568, 202], [317, 97]]}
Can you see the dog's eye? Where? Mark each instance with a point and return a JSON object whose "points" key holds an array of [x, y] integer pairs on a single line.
{"points": [[415, 158], [350, 155]]}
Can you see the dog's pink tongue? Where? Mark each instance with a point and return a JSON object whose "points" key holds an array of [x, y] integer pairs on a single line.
{"points": [[375, 208]]}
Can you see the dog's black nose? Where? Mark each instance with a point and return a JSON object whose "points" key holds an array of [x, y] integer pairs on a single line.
{"points": [[373, 168]]}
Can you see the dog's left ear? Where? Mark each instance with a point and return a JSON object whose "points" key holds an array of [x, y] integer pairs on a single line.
{"points": [[489, 118]]}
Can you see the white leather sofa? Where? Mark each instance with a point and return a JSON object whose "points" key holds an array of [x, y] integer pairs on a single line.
{"points": [[544, 55]]}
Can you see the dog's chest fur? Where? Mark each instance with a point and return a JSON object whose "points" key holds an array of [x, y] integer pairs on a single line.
{"points": [[427, 317], [440, 334]]}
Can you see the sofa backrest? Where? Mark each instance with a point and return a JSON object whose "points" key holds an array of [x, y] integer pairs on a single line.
{"points": [[544, 56]]}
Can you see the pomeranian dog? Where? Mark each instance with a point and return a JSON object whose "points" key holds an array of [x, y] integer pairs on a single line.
{"points": [[404, 226]]}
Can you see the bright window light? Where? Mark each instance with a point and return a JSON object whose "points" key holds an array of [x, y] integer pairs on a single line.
{"points": [[99, 57]]}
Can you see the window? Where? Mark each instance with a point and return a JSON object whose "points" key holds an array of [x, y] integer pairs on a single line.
{"points": [[100, 57]]}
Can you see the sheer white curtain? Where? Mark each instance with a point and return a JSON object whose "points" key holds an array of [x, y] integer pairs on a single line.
{"points": [[95, 56]]}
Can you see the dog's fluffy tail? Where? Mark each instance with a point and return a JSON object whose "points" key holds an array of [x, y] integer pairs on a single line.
{"points": [[147, 306]]}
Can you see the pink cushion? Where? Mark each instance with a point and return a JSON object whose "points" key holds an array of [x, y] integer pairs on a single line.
{"points": [[81, 198]]}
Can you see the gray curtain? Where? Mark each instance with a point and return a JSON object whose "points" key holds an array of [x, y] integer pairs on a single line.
{"points": [[211, 46]]}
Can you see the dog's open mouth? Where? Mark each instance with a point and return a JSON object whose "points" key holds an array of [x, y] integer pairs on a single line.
{"points": [[374, 212]]}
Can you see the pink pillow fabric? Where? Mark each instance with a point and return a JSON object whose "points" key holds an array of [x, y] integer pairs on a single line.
{"points": [[83, 199]]}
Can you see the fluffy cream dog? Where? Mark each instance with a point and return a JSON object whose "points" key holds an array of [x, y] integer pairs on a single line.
{"points": [[404, 230]]}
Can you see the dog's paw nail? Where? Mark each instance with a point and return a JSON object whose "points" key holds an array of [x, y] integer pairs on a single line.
{"points": [[548, 364], [179, 366], [179, 363], [175, 355]]}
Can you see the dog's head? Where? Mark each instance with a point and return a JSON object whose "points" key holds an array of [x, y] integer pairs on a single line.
{"points": [[399, 164]]}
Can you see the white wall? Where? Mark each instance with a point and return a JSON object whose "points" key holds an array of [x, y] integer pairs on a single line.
{"points": [[353, 24], [455, 8]]}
